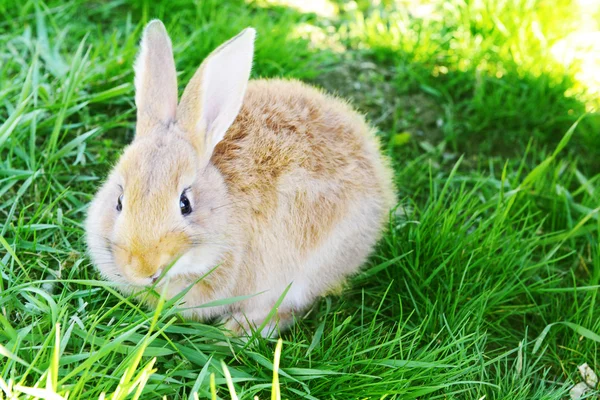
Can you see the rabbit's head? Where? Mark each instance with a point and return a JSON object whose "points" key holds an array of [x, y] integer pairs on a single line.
{"points": [[164, 201]]}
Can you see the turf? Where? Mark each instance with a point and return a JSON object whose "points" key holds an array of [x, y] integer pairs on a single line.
{"points": [[485, 285]]}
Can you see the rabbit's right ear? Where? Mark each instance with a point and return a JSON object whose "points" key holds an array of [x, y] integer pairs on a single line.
{"points": [[213, 98], [155, 79]]}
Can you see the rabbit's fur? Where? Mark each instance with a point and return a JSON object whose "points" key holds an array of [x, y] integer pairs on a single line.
{"points": [[287, 188]]}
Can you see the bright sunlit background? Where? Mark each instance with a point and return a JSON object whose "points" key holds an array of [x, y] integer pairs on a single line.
{"points": [[572, 38]]}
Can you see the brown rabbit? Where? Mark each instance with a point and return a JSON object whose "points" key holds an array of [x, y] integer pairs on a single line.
{"points": [[257, 186]]}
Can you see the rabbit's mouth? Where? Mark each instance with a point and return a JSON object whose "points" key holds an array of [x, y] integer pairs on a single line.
{"points": [[149, 268], [156, 275]]}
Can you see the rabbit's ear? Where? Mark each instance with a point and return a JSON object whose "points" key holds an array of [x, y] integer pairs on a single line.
{"points": [[214, 96], [155, 79]]}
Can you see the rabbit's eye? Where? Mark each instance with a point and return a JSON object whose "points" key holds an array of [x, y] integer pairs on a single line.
{"points": [[119, 203], [184, 204]]}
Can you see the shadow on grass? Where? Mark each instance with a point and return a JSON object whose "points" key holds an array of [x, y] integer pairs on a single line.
{"points": [[494, 84]]}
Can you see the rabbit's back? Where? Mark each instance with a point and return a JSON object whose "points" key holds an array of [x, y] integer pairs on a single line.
{"points": [[291, 140]]}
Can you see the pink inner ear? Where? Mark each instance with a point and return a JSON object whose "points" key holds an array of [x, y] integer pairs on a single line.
{"points": [[213, 97], [210, 112], [224, 85], [219, 89]]}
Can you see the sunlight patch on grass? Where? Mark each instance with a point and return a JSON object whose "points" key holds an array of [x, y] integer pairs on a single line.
{"points": [[323, 8], [582, 48]]}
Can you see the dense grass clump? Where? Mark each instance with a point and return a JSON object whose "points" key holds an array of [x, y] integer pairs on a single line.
{"points": [[485, 284]]}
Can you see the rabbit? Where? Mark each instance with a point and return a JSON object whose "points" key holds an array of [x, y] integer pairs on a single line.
{"points": [[244, 189]]}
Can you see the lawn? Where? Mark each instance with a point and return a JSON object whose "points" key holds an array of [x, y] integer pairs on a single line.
{"points": [[484, 286]]}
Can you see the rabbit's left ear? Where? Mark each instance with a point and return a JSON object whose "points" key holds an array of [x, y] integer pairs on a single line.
{"points": [[214, 96], [155, 79]]}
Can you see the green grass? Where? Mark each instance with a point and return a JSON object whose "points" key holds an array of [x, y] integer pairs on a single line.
{"points": [[485, 286]]}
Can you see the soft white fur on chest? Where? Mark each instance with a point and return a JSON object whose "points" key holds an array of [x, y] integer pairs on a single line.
{"points": [[196, 262]]}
